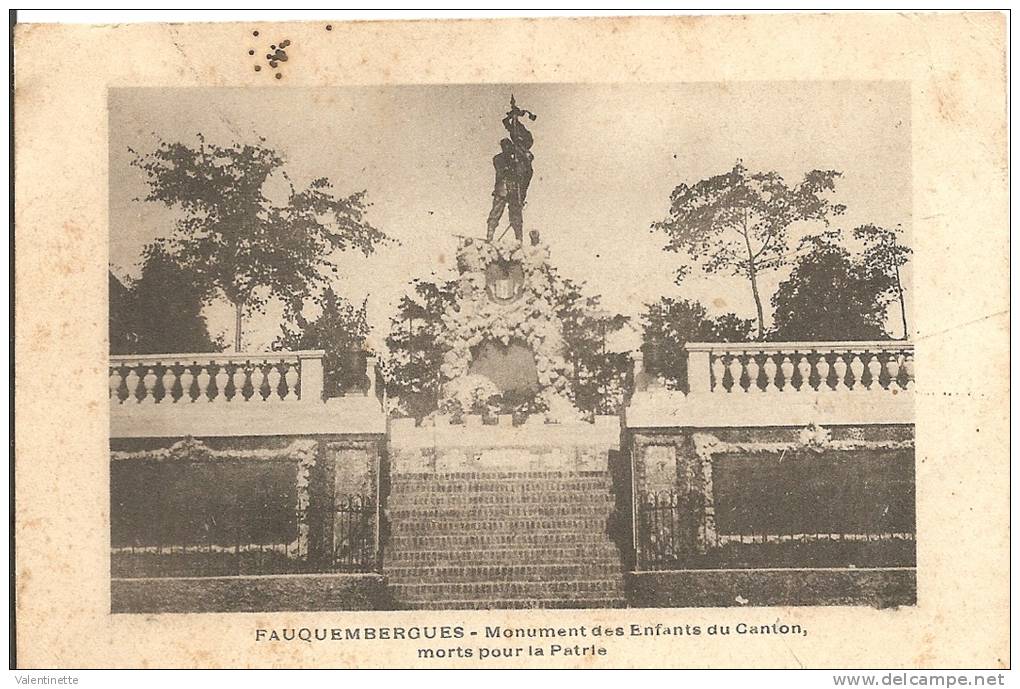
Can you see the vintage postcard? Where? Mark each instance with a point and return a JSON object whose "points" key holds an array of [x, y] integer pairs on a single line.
{"points": [[619, 342]]}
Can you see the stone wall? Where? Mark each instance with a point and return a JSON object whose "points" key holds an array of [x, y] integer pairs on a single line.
{"points": [[241, 506], [683, 477]]}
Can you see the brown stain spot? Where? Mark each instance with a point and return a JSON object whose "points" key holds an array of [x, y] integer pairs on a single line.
{"points": [[73, 231], [442, 259], [926, 656], [719, 303], [947, 102], [40, 338]]}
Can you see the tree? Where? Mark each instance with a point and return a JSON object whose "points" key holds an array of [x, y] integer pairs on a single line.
{"points": [[598, 373], [122, 336], [669, 324], [412, 369], [161, 311], [340, 330], [830, 295], [233, 238], [739, 221], [883, 253]]}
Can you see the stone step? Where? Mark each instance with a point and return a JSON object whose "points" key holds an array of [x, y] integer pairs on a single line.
{"points": [[582, 486], [594, 603], [509, 590], [600, 553], [501, 475], [426, 500], [517, 572], [549, 539], [575, 525], [584, 510]]}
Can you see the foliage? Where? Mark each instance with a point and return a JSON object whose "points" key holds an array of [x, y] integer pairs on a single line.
{"points": [[598, 375], [161, 311], [669, 324], [412, 368], [739, 221], [830, 295], [531, 319], [883, 253], [233, 238], [418, 343], [340, 329]]}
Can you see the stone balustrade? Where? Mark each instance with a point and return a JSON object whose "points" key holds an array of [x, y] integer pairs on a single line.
{"points": [[237, 394], [799, 366], [218, 378], [779, 384]]}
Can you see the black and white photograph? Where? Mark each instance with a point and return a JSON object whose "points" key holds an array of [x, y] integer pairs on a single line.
{"points": [[516, 345]]}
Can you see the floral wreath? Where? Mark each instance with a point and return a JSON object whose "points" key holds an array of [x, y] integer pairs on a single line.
{"points": [[476, 318]]}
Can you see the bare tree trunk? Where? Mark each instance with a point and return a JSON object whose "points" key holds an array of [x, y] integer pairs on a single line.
{"points": [[752, 275], [238, 307], [903, 304]]}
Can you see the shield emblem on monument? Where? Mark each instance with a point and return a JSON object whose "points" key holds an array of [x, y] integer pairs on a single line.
{"points": [[503, 289], [504, 280]]}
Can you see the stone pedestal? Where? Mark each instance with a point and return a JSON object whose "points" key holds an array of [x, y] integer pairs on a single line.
{"points": [[457, 448]]}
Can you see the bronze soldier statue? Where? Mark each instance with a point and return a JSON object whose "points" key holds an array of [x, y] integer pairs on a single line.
{"points": [[513, 172]]}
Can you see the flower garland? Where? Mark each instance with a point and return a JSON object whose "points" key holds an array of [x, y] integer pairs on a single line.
{"points": [[531, 318], [190, 449]]}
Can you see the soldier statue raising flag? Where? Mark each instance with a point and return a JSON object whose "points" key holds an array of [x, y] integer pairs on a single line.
{"points": [[513, 172]]}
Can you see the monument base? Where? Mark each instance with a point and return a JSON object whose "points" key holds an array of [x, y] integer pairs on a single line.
{"points": [[476, 448]]}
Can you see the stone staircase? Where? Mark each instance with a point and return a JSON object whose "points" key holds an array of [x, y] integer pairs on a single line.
{"points": [[502, 540]]}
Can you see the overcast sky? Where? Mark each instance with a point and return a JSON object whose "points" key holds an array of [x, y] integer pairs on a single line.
{"points": [[607, 157]]}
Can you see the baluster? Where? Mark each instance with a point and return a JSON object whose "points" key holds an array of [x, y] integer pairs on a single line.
{"points": [[149, 382], [804, 369], [857, 369], [890, 369], [786, 366], [238, 380], [132, 384], [875, 371], [274, 383], [771, 385], [186, 378], [841, 368], [908, 365], [168, 380], [823, 369], [222, 377], [897, 371], [736, 368], [291, 378], [115, 381], [752, 374], [718, 371], [258, 379], [203, 385]]}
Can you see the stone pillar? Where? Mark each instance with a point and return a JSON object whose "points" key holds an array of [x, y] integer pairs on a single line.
{"points": [[699, 372], [311, 376]]}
